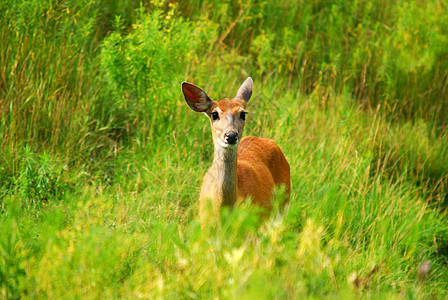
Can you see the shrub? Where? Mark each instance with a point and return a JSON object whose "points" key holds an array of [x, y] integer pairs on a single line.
{"points": [[144, 68]]}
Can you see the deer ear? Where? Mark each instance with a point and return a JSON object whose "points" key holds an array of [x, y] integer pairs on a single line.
{"points": [[245, 90], [195, 97]]}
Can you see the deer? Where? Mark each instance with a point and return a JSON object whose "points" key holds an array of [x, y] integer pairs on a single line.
{"points": [[242, 168]]}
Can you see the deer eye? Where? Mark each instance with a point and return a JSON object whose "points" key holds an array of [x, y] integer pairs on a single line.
{"points": [[243, 115], [215, 116]]}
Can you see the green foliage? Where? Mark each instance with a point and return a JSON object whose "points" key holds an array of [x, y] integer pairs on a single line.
{"points": [[144, 66], [38, 179], [376, 48], [12, 262], [101, 160]]}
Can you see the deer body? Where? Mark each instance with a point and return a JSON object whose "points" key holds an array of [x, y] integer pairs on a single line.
{"points": [[242, 168]]}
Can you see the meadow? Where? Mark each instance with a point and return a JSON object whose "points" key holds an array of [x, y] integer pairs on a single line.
{"points": [[101, 159]]}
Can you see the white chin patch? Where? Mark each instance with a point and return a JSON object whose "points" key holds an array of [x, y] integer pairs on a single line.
{"points": [[227, 145]]}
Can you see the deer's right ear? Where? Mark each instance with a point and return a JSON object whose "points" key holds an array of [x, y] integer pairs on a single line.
{"points": [[195, 97]]}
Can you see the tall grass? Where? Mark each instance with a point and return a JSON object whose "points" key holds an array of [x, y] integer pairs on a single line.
{"points": [[373, 48], [101, 160]]}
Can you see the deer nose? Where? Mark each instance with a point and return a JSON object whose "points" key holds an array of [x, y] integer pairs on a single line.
{"points": [[231, 137]]}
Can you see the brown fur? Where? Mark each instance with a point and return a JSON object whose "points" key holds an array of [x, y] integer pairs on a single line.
{"points": [[261, 166]]}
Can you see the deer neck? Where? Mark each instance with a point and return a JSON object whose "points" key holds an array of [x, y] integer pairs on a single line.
{"points": [[224, 168]]}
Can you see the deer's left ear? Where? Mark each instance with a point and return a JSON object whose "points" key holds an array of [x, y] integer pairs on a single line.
{"points": [[245, 90], [195, 97]]}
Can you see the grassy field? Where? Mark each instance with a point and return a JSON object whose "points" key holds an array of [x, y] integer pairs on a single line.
{"points": [[101, 160]]}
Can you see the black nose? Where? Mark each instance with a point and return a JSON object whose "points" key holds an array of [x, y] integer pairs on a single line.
{"points": [[231, 137]]}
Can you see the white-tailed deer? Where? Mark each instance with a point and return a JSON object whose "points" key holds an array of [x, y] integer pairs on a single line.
{"points": [[242, 167]]}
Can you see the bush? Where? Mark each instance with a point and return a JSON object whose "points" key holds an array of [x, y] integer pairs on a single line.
{"points": [[144, 67]]}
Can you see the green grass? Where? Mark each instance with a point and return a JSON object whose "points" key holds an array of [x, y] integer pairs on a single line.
{"points": [[101, 160]]}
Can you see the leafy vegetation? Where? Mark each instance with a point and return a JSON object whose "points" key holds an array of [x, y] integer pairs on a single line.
{"points": [[101, 159]]}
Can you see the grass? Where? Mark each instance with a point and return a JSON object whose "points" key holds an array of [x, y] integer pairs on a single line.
{"points": [[101, 160]]}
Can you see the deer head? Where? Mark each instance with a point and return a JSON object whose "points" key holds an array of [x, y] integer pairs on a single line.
{"points": [[227, 116]]}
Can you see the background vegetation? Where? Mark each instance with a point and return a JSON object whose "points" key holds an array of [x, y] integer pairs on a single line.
{"points": [[101, 161]]}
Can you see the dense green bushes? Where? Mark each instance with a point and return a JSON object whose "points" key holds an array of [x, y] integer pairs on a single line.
{"points": [[143, 69]]}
